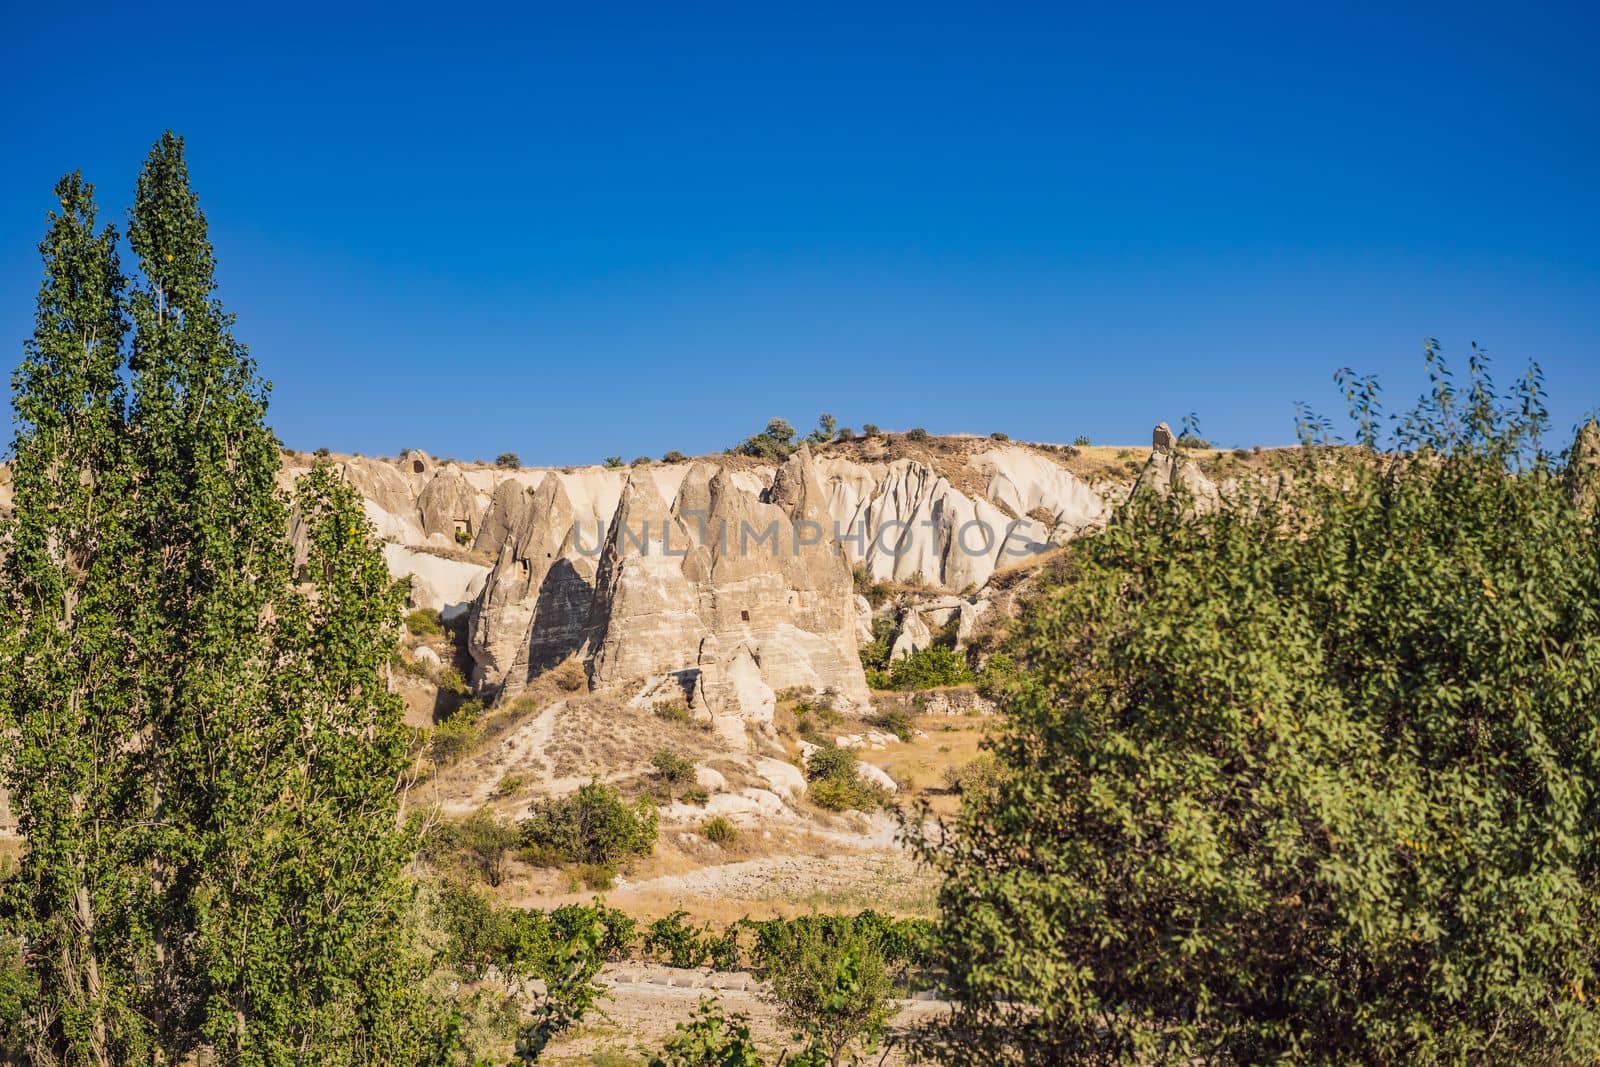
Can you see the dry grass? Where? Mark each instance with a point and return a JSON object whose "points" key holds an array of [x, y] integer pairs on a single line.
{"points": [[919, 766]]}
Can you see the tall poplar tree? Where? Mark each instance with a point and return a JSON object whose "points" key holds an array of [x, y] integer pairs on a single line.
{"points": [[67, 692], [278, 749]]}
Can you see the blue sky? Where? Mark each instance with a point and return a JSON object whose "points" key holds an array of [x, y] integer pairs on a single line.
{"points": [[616, 231]]}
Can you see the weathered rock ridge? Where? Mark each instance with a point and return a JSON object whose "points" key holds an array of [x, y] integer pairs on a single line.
{"points": [[721, 582]]}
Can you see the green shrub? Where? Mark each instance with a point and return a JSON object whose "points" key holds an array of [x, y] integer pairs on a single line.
{"points": [[672, 769], [594, 825], [1307, 779], [710, 1039], [425, 622], [672, 711], [875, 591], [896, 721], [508, 461], [677, 943], [613, 462], [453, 738], [598, 877], [833, 986], [719, 830], [463, 537], [916, 433], [1081, 441], [674, 456], [870, 429], [998, 436], [482, 840], [835, 784], [930, 668], [845, 434], [774, 443], [640, 461]]}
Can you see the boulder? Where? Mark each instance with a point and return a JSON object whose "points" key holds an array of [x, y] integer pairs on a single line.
{"points": [[914, 636]]}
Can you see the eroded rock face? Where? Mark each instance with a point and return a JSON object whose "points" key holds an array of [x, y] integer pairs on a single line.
{"points": [[753, 594], [534, 608], [448, 507], [724, 582]]}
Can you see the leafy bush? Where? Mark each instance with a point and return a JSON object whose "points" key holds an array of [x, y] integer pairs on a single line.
{"points": [[977, 780], [425, 622], [482, 840], [1307, 779], [453, 738], [613, 462], [998, 436], [870, 429], [835, 783], [897, 721], [930, 668], [1081, 441], [508, 461], [677, 943], [672, 711], [672, 769], [463, 537], [875, 591], [719, 830], [845, 434], [834, 986], [916, 433], [709, 1039], [774, 443], [674, 456], [594, 825], [640, 461]]}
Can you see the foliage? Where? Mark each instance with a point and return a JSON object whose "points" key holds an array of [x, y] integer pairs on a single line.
{"points": [[833, 985], [869, 429], [674, 456], [845, 433], [875, 591], [195, 704], [916, 433], [999, 436], [614, 462], [640, 461], [453, 738], [483, 840], [508, 461], [709, 1039], [1307, 779], [1081, 441], [826, 424], [930, 668], [677, 943], [719, 830], [1189, 435], [593, 825], [895, 720], [836, 784], [672, 711], [672, 769], [570, 990], [425, 622], [774, 443]]}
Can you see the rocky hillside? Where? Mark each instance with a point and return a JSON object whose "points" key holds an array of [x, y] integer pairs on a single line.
{"points": [[726, 578]]}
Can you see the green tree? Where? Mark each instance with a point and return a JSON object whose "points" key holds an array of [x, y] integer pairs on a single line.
{"points": [[832, 983], [1309, 779], [709, 1039], [66, 682]]}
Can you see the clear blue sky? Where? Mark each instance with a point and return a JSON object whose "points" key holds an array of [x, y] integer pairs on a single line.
{"points": [[589, 230]]}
